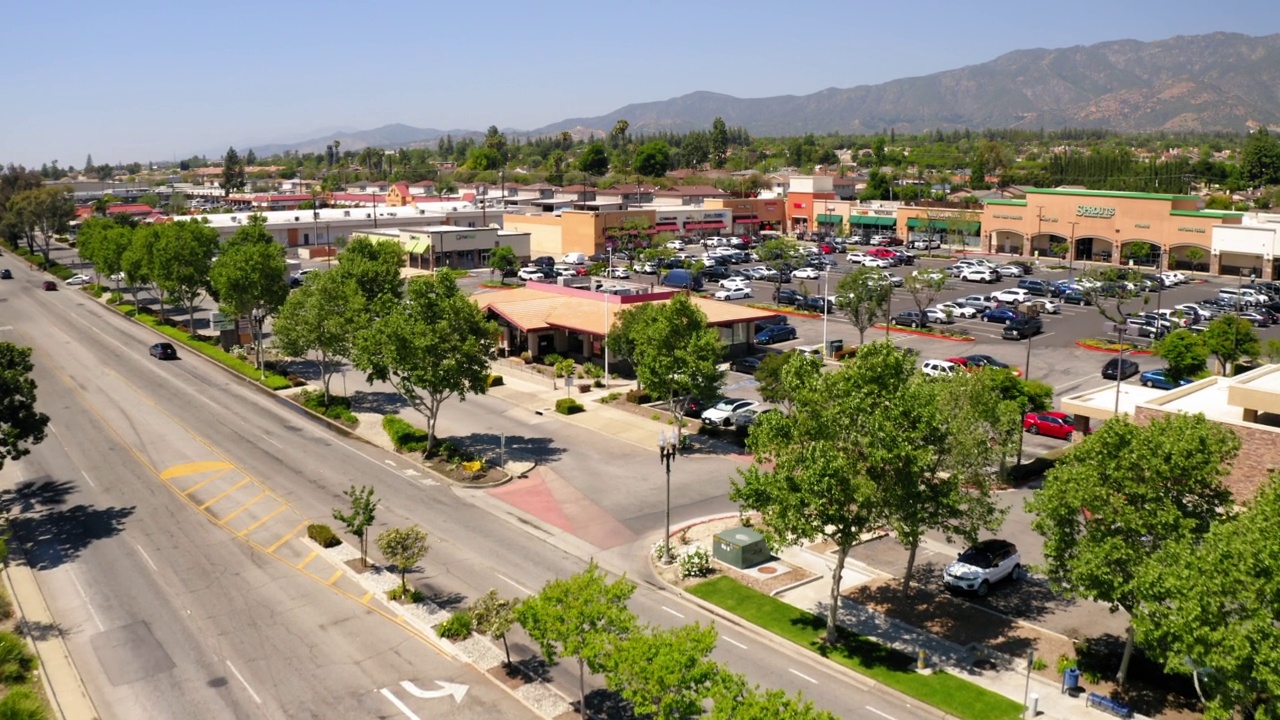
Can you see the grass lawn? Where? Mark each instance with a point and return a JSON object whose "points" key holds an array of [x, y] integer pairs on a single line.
{"points": [[949, 693]]}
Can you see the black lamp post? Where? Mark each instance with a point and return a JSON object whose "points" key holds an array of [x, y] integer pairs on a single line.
{"points": [[667, 454]]}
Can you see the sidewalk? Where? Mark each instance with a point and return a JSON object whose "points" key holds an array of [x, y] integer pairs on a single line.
{"points": [[63, 686], [1008, 677]]}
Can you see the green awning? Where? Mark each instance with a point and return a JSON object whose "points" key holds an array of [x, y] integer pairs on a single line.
{"points": [[417, 247], [830, 219], [878, 220]]}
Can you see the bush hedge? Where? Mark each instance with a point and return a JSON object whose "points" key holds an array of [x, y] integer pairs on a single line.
{"points": [[638, 397], [323, 535], [339, 408], [495, 380], [457, 627], [404, 436], [16, 661], [568, 406]]}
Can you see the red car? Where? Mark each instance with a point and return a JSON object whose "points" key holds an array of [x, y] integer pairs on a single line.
{"points": [[882, 252], [1050, 424], [964, 363], [826, 248]]}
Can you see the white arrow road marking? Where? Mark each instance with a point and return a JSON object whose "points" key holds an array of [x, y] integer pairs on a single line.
{"points": [[411, 473], [457, 690], [396, 701], [389, 463]]}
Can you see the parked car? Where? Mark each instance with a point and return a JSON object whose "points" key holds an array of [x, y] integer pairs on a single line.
{"points": [[743, 421], [929, 274], [910, 318], [79, 280], [619, 273], [940, 368], [1043, 288], [927, 244], [691, 406], [981, 303], [1046, 306], [1013, 296], [934, 315], [5, 274], [818, 304], [721, 414], [982, 566], [776, 334], [877, 262], [1160, 379], [894, 280], [1022, 328], [1001, 315], [976, 274], [163, 351], [1052, 425], [1257, 318], [747, 364], [734, 282], [734, 293], [1010, 271], [1075, 297], [529, 274], [806, 273], [963, 312], [1125, 369], [787, 296]]}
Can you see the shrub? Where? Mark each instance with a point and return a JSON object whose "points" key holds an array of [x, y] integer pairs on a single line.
{"points": [[6, 606], [473, 466], [62, 272], [695, 562], [115, 298], [609, 398], [95, 290], [16, 662], [495, 380], [638, 397], [404, 436], [525, 357], [406, 594], [1065, 663], [22, 703], [339, 408], [457, 627], [322, 535], [275, 382], [568, 406], [593, 371], [553, 359]]}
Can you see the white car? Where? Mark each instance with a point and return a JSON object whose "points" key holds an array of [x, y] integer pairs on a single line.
{"points": [[1013, 296], [118, 276], [809, 350], [964, 312], [806, 273], [892, 279], [675, 245], [735, 283], [856, 257], [733, 294], [79, 280], [940, 368], [977, 274], [877, 262], [934, 315], [530, 273], [1174, 278], [620, 273], [925, 244], [1047, 306], [721, 414], [1010, 271], [983, 565], [929, 274]]}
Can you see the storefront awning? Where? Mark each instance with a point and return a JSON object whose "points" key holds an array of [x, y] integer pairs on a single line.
{"points": [[417, 247], [717, 225], [873, 220], [940, 225], [830, 219], [667, 227], [749, 220]]}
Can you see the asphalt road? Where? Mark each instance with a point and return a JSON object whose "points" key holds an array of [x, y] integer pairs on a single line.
{"points": [[177, 599]]}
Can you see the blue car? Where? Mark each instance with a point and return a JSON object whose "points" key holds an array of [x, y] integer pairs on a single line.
{"points": [[1000, 315], [775, 333], [1160, 379]]}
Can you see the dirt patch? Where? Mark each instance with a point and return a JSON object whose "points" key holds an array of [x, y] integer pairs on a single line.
{"points": [[702, 534], [488, 475], [359, 566], [1149, 690]]}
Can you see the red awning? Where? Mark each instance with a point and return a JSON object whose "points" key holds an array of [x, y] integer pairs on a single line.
{"points": [[750, 220], [667, 227], [714, 225]]}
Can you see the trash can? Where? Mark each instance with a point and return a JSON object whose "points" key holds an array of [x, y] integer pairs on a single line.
{"points": [[834, 346], [1071, 679]]}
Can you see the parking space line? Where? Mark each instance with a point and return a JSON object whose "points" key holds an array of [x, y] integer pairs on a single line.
{"points": [[225, 493], [367, 597], [334, 578], [204, 482], [303, 563], [263, 520], [288, 537], [243, 507]]}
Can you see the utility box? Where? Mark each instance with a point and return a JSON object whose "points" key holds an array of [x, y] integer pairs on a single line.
{"points": [[741, 547]]}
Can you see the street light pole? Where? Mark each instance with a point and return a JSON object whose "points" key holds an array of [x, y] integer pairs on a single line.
{"points": [[667, 454], [826, 276], [1071, 251], [1120, 333]]}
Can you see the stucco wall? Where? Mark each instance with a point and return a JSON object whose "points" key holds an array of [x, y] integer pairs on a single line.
{"points": [[1259, 455]]}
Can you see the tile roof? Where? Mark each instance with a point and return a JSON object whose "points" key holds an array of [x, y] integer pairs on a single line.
{"points": [[402, 188]]}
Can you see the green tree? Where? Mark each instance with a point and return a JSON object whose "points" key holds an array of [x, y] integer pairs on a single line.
{"points": [[579, 617], [503, 261], [360, 517], [178, 204], [1115, 292], [653, 158], [1184, 354], [1271, 350], [151, 200], [675, 353], [923, 286], [769, 377], [719, 142], [484, 159], [433, 346], [21, 425], [627, 327], [374, 266], [493, 616], [775, 253], [321, 317], [665, 673], [248, 277], [181, 262], [816, 469], [1209, 609], [136, 262], [104, 243], [618, 135], [594, 160], [44, 211], [1119, 496], [233, 175], [735, 700], [1194, 256], [863, 297], [1260, 159], [404, 548], [1230, 338]]}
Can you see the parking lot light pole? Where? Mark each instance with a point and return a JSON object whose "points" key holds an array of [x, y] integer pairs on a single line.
{"points": [[1120, 333], [826, 276], [667, 454]]}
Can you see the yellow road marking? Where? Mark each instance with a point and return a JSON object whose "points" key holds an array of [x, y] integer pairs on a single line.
{"points": [[286, 538], [243, 507], [265, 518], [193, 468], [205, 481], [367, 596], [307, 559], [334, 578], [226, 492]]}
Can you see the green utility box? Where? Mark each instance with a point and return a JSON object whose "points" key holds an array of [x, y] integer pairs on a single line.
{"points": [[741, 547]]}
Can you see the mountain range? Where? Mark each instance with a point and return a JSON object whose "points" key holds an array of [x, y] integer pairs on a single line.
{"points": [[1214, 82]]}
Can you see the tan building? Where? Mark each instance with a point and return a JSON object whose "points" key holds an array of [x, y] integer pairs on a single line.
{"points": [[460, 248], [752, 215], [1101, 226]]}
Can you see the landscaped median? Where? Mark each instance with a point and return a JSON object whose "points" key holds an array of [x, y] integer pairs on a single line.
{"points": [[272, 380], [1109, 346], [953, 695], [927, 333], [783, 310]]}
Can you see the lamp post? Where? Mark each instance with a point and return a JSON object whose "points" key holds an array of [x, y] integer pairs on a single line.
{"points": [[666, 455], [1039, 226], [826, 275], [1071, 250], [1235, 322], [1121, 330]]}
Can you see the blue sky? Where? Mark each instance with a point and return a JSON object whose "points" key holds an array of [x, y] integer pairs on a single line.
{"points": [[145, 80]]}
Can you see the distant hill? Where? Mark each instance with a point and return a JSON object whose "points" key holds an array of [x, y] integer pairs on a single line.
{"points": [[396, 135], [1220, 81]]}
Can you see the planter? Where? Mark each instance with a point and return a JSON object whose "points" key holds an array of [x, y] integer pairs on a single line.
{"points": [[1134, 351], [784, 311], [922, 333]]}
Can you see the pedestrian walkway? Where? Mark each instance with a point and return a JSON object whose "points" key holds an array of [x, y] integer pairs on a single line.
{"points": [[62, 683], [1005, 675]]}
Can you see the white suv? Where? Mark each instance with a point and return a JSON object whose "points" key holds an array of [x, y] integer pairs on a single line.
{"points": [[981, 566]]}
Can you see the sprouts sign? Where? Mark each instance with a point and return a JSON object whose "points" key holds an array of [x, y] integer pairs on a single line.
{"points": [[1095, 211]]}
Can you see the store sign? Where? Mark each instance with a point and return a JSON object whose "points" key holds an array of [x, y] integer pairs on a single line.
{"points": [[771, 206], [1144, 226], [1187, 228], [742, 206], [1095, 211], [798, 206], [1001, 216], [711, 217], [668, 218], [465, 236], [939, 215]]}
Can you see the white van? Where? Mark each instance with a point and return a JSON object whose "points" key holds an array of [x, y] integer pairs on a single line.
{"points": [[574, 258]]}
